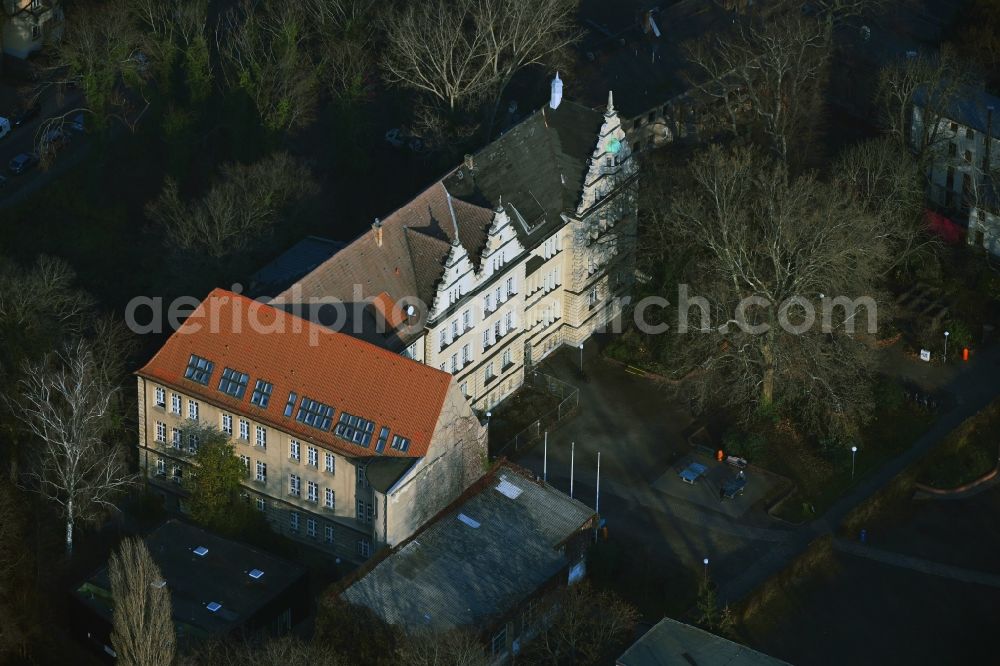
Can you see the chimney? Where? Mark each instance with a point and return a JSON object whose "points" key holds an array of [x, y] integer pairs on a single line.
{"points": [[470, 163], [377, 231], [556, 97]]}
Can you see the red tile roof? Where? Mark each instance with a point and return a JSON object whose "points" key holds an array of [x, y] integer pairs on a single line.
{"points": [[295, 355]]}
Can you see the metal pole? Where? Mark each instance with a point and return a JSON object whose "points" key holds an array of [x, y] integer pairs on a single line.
{"points": [[545, 458], [597, 502], [572, 457], [581, 357], [946, 346]]}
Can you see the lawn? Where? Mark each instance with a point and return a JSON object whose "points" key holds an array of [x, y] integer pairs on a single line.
{"points": [[967, 454], [821, 480]]}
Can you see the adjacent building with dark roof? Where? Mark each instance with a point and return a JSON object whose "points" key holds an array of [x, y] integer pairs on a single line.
{"points": [[673, 643], [524, 247], [218, 587], [483, 562], [347, 446]]}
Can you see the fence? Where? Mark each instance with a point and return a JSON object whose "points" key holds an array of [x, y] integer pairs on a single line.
{"points": [[569, 401]]}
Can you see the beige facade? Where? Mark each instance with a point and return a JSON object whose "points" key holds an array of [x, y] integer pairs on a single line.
{"points": [[29, 24], [308, 491]]}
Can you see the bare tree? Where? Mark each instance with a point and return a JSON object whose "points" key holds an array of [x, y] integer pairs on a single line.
{"points": [[285, 651], [582, 626], [344, 35], [762, 255], [916, 95], [448, 648], [176, 31], [264, 48], [100, 51], [142, 630], [432, 49], [67, 402], [889, 184], [237, 211], [773, 72], [42, 296]]}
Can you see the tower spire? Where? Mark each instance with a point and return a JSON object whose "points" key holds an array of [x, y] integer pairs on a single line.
{"points": [[611, 104]]}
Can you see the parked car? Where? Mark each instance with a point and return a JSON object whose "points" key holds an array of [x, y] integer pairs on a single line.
{"points": [[21, 163], [55, 138], [27, 113], [4, 127]]}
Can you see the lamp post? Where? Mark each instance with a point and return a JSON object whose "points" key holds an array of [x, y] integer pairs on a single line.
{"points": [[705, 562], [854, 455], [946, 334], [581, 357]]}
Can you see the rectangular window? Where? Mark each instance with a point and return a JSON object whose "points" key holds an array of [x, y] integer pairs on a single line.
{"points": [[246, 463], [497, 334], [293, 450], [592, 297], [261, 504], [454, 329], [328, 463], [175, 403], [466, 321], [244, 430], [312, 456], [330, 499], [466, 354], [508, 321], [486, 339], [161, 467], [177, 473], [362, 478], [261, 437], [328, 534], [199, 369], [444, 339], [160, 397], [261, 471], [294, 485], [192, 410], [234, 383], [227, 424], [365, 510], [311, 528], [314, 414], [364, 548], [465, 389], [175, 437], [400, 443], [355, 429], [161, 432], [488, 374], [510, 287], [454, 363], [293, 521], [192, 443], [507, 360], [261, 393], [496, 294], [290, 405], [488, 304], [383, 436], [312, 491]]}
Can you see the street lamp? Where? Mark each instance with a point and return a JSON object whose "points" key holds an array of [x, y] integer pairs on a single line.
{"points": [[705, 562], [581, 357], [946, 334], [854, 454]]}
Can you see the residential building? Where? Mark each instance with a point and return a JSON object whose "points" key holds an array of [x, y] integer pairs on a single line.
{"points": [[29, 24], [347, 446], [217, 588], [524, 247], [484, 563], [955, 132], [673, 643]]}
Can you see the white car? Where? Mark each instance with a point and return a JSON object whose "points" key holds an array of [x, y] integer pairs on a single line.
{"points": [[4, 127]]}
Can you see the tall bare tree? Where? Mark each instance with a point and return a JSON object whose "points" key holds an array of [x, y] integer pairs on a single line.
{"points": [[916, 95], [68, 403], [142, 630], [889, 184], [449, 648], [770, 76], [176, 32], [235, 212], [264, 48], [773, 270]]}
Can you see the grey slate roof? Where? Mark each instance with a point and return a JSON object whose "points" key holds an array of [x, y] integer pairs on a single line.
{"points": [[538, 167], [292, 264], [969, 108], [673, 643], [451, 574]]}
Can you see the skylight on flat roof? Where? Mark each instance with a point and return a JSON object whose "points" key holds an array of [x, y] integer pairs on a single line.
{"points": [[213, 606], [508, 489], [255, 573], [474, 524], [201, 551]]}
